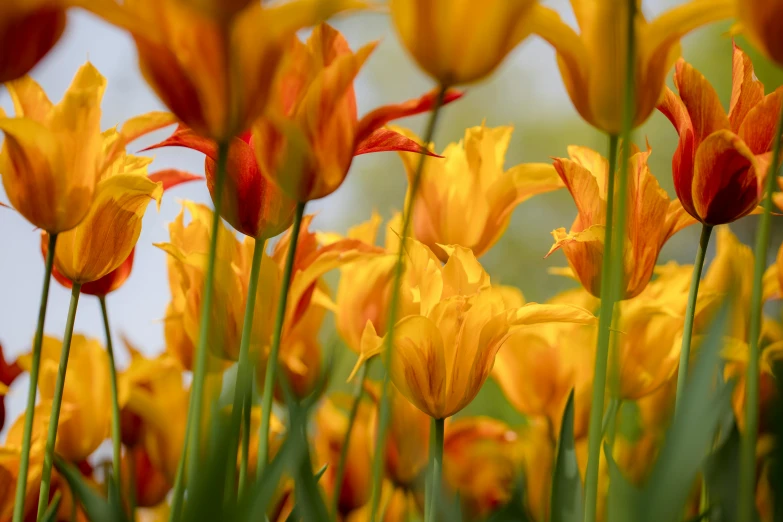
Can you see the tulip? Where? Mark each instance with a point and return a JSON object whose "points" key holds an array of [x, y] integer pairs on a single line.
{"points": [[721, 160], [756, 20], [406, 444], [459, 41], [251, 204], [652, 220], [483, 462], [308, 140], [28, 30], [150, 485], [538, 455], [215, 73], [86, 397], [467, 198], [445, 351], [593, 62], [331, 424], [52, 156]]}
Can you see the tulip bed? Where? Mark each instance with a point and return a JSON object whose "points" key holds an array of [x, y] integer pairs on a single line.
{"points": [[648, 392]]}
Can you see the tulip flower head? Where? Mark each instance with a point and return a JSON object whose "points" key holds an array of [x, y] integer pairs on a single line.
{"points": [[28, 30], [444, 350], [757, 20], [308, 140], [460, 41], [251, 204], [52, 154], [215, 73], [86, 396], [592, 62], [467, 198], [721, 161], [652, 219]]}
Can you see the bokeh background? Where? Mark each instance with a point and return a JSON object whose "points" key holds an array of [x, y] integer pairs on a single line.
{"points": [[525, 92]]}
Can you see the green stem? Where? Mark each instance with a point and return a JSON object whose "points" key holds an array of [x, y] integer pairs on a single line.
{"points": [[428, 475], [748, 449], [358, 391], [595, 430], [243, 385], [29, 414], [690, 312], [132, 486], [612, 272], [436, 469], [384, 408], [195, 407], [115, 403], [57, 401], [243, 463], [271, 364]]}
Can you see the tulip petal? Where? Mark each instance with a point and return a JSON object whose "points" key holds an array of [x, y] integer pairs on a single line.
{"points": [[30, 100], [185, 137], [746, 90], [677, 218], [143, 124], [370, 345], [104, 240], [702, 102], [374, 120], [170, 178], [418, 365], [585, 253], [535, 313], [758, 127], [725, 181], [584, 187], [387, 140]]}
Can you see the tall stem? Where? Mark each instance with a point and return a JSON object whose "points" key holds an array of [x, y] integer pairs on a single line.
{"points": [[242, 387], [595, 430], [436, 469], [57, 401], [358, 391], [748, 449], [380, 439], [245, 458], [196, 405], [29, 414], [271, 364], [690, 312], [115, 403], [612, 272]]}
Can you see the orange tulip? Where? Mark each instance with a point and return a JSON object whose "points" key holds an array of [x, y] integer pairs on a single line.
{"points": [[652, 219], [214, 73], [8, 373], [251, 204], [593, 62], [721, 160], [757, 20], [150, 485], [308, 140], [117, 277], [482, 460], [460, 41], [28, 30], [467, 197], [52, 156]]}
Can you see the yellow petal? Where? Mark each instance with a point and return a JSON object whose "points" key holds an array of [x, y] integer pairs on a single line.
{"points": [[534, 313], [30, 100]]}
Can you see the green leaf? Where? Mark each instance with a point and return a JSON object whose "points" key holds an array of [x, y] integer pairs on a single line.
{"points": [[514, 510], [567, 502], [50, 515], [625, 500], [95, 506], [721, 473]]}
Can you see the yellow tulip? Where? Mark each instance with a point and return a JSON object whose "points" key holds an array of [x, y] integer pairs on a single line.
{"points": [[28, 30], [52, 155], [460, 41], [467, 198], [592, 62], [538, 458], [757, 20], [86, 396], [444, 350], [215, 73], [652, 219]]}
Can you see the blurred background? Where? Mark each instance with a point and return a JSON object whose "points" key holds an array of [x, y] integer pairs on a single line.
{"points": [[525, 92]]}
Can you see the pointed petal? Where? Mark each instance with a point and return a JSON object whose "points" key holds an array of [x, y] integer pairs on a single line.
{"points": [[534, 313], [701, 100], [379, 117], [138, 126], [387, 140], [30, 100], [185, 137], [170, 178], [746, 90], [584, 188], [370, 346], [758, 127]]}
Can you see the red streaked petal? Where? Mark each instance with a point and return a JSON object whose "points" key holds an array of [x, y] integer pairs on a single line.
{"points": [[758, 127], [385, 140], [173, 177], [383, 115], [701, 100], [185, 137], [746, 89]]}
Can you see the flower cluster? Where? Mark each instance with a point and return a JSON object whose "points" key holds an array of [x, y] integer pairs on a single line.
{"points": [[244, 415]]}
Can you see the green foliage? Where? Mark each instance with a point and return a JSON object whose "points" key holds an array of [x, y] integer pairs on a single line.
{"points": [[567, 501]]}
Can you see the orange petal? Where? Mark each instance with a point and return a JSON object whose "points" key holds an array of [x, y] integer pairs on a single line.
{"points": [[701, 100], [387, 140], [758, 127], [172, 177], [746, 90]]}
